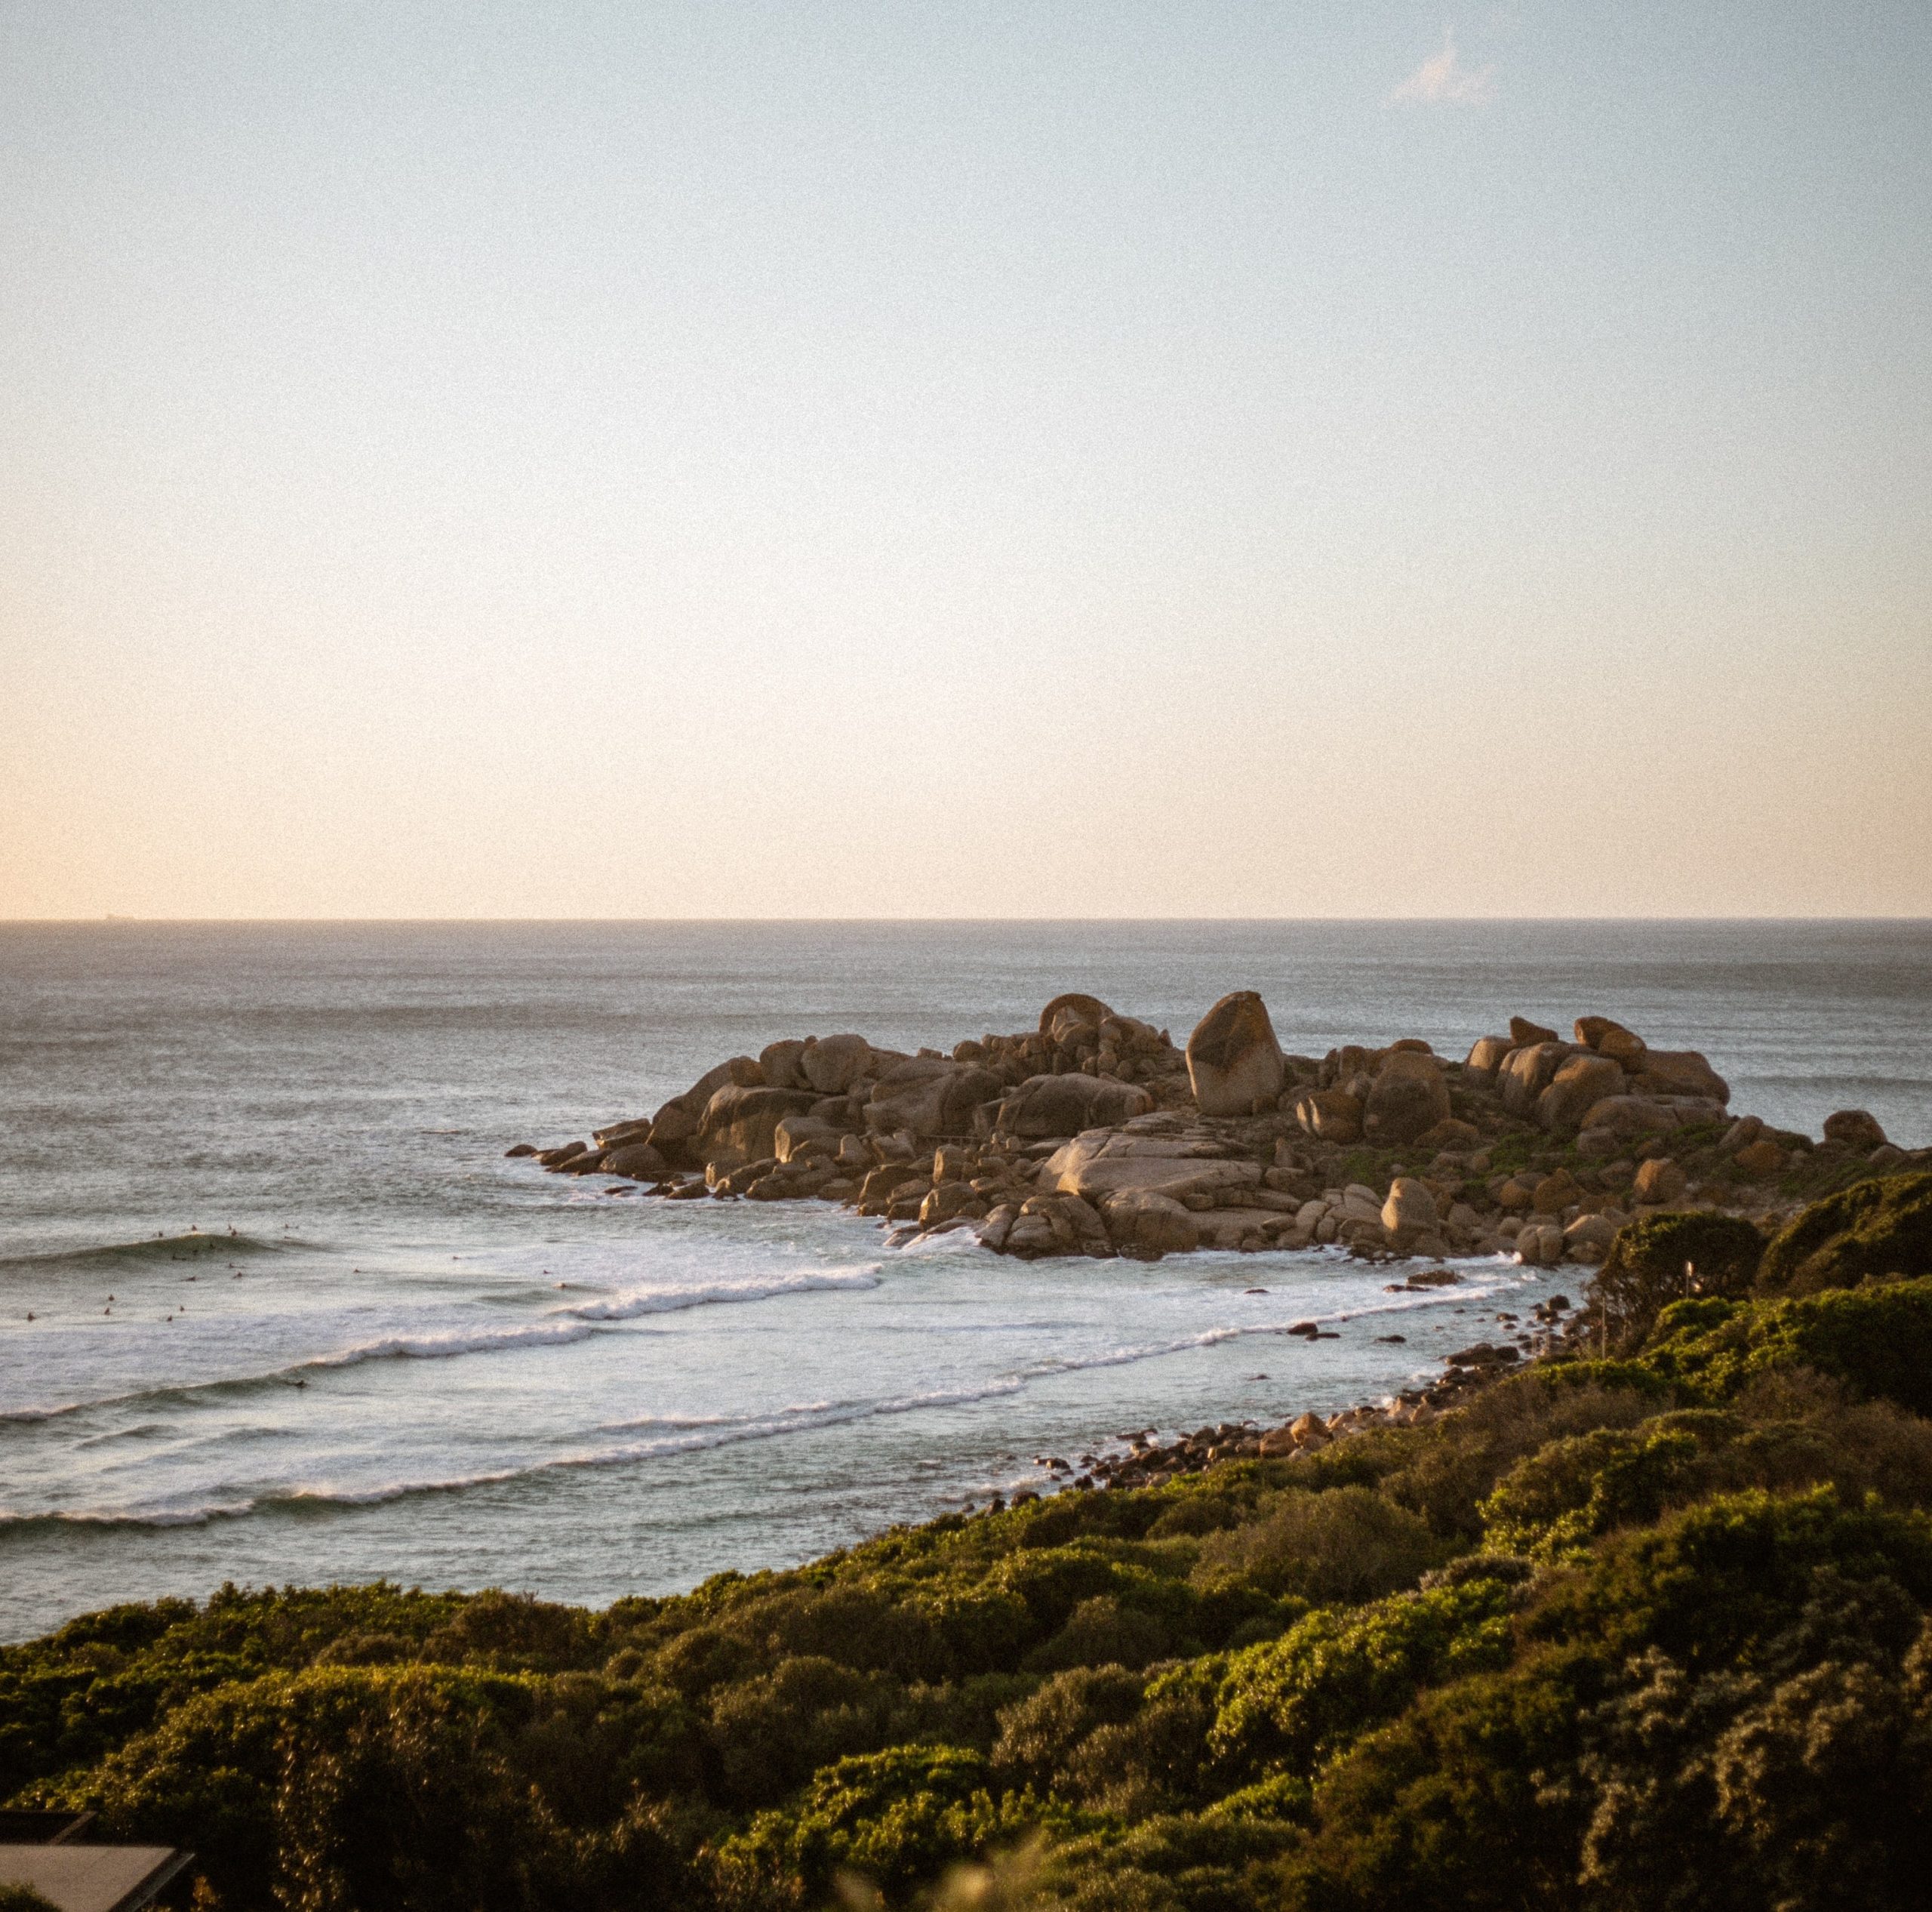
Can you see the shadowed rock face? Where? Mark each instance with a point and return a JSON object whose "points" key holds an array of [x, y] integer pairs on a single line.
{"points": [[739, 1124], [1409, 1098], [1527, 1071], [931, 1097], [1331, 1114], [1576, 1088], [1856, 1129], [1064, 1105], [1681, 1072], [1233, 1060], [1066, 1015]]}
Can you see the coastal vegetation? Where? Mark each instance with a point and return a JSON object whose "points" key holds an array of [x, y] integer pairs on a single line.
{"points": [[1643, 1622]]}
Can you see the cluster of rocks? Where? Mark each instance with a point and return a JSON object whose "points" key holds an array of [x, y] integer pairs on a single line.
{"points": [[1094, 1134]]}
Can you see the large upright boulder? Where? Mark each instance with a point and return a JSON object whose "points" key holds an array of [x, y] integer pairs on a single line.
{"points": [[1233, 1060], [1064, 1105], [1527, 1071], [740, 1125], [832, 1063], [1408, 1096], [931, 1096], [1680, 1072], [779, 1063], [1576, 1088], [674, 1129], [1486, 1056], [1072, 1018]]}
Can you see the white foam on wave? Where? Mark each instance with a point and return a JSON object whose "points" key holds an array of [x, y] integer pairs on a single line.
{"points": [[447, 1347], [682, 1436], [670, 1435], [667, 1298], [561, 1326]]}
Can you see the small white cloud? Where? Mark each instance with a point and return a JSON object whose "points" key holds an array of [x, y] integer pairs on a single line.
{"points": [[1443, 80]]}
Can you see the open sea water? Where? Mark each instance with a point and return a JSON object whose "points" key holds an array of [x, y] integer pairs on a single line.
{"points": [[394, 1353]]}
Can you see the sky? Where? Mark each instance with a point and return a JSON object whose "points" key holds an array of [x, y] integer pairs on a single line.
{"points": [[1040, 459]]}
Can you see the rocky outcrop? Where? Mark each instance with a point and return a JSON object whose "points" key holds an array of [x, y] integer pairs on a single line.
{"points": [[1092, 1135], [1660, 1182], [1409, 1217], [1332, 1114], [1071, 1021], [778, 1063], [635, 1161], [1527, 1071], [1234, 1062], [1143, 1221], [1486, 1053], [1190, 1167]]}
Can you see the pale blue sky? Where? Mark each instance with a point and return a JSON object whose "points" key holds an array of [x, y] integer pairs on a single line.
{"points": [[966, 459]]}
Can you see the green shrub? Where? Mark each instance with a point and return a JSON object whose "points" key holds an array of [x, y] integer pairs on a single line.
{"points": [[1711, 1583], [1444, 1472], [1107, 1739], [1459, 1802], [1880, 1226], [1877, 1339], [15, 1897], [1290, 1706], [895, 1819], [335, 1788], [1552, 1505], [1348, 1544], [771, 1733], [1172, 1862], [1666, 1258], [1102, 1632], [1697, 1676]]}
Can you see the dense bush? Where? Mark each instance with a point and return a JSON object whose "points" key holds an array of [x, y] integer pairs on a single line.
{"points": [[1880, 1226], [1667, 1258], [1876, 1338], [1649, 1630]]}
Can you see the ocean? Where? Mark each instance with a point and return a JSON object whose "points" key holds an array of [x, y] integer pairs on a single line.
{"points": [[390, 1353]]}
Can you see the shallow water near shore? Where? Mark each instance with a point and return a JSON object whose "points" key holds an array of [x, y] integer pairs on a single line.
{"points": [[413, 1359]]}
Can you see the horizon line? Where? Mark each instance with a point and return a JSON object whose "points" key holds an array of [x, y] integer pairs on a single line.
{"points": [[117, 920]]}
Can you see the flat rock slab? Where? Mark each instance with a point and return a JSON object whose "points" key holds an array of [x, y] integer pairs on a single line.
{"points": [[1102, 1162]]}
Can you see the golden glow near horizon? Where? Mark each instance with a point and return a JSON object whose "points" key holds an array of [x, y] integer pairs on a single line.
{"points": [[871, 461]]}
